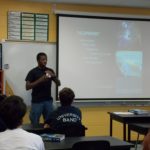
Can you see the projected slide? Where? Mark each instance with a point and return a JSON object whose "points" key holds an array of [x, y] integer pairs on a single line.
{"points": [[130, 63], [104, 58], [129, 36]]}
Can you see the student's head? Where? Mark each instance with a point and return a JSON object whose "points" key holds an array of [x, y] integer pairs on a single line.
{"points": [[2, 97], [41, 59], [12, 111], [66, 96]]}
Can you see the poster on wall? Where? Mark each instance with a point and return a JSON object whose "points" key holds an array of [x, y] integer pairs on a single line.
{"points": [[28, 26]]}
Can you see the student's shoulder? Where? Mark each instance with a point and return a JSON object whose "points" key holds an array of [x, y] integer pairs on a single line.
{"points": [[50, 69], [36, 140], [75, 108], [33, 136], [57, 110], [35, 69]]}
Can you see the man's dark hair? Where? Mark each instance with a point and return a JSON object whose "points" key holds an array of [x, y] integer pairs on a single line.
{"points": [[12, 111], [39, 55], [66, 96]]}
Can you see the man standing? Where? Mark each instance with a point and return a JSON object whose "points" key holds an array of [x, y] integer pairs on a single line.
{"points": [[39, 79]]}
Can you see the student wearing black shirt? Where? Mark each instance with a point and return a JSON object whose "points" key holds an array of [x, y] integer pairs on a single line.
{"points": [[39, 79], [66, 113]]}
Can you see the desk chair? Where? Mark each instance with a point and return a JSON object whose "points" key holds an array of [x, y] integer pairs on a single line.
{"points": [[91, 145], [71, 130]]}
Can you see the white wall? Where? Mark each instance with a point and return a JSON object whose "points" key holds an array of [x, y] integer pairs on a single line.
{"points": [[21, 57]]}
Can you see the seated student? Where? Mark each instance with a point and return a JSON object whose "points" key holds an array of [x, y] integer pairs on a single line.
{"points": [[2, 124], [12, 111], [146, 142], [2, 97], [65, 114]]}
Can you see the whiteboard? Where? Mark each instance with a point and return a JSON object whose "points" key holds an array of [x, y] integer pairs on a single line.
{"points": [[19, 58]]}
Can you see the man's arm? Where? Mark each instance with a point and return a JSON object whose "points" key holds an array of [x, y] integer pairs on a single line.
{"points": [[53, 76], [30, 85], [56, 80]]}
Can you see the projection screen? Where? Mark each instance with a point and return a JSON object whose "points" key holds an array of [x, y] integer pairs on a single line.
{"points": [[104, 57]]}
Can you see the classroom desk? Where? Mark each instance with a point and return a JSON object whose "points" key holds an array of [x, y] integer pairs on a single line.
{"points": [[67, 144], [38, 129], [126, 119], [141, 128]]}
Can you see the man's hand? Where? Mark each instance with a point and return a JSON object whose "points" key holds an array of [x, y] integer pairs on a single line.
{"points": [[30, 85], [46, 125], [43, 78], [50, 73]]}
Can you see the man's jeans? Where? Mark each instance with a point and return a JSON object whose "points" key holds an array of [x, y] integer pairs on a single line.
{"points": [[37, 109]]}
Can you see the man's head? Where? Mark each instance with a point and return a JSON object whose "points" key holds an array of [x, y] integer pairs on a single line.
{"points": [[41, 59], [66, 96], [12, 111]]}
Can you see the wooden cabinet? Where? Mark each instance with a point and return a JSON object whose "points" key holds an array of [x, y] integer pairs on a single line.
{"points": [[1, 82]]}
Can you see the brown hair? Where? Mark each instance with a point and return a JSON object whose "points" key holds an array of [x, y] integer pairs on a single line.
{"points": [[12, 111], [66, 96]]}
